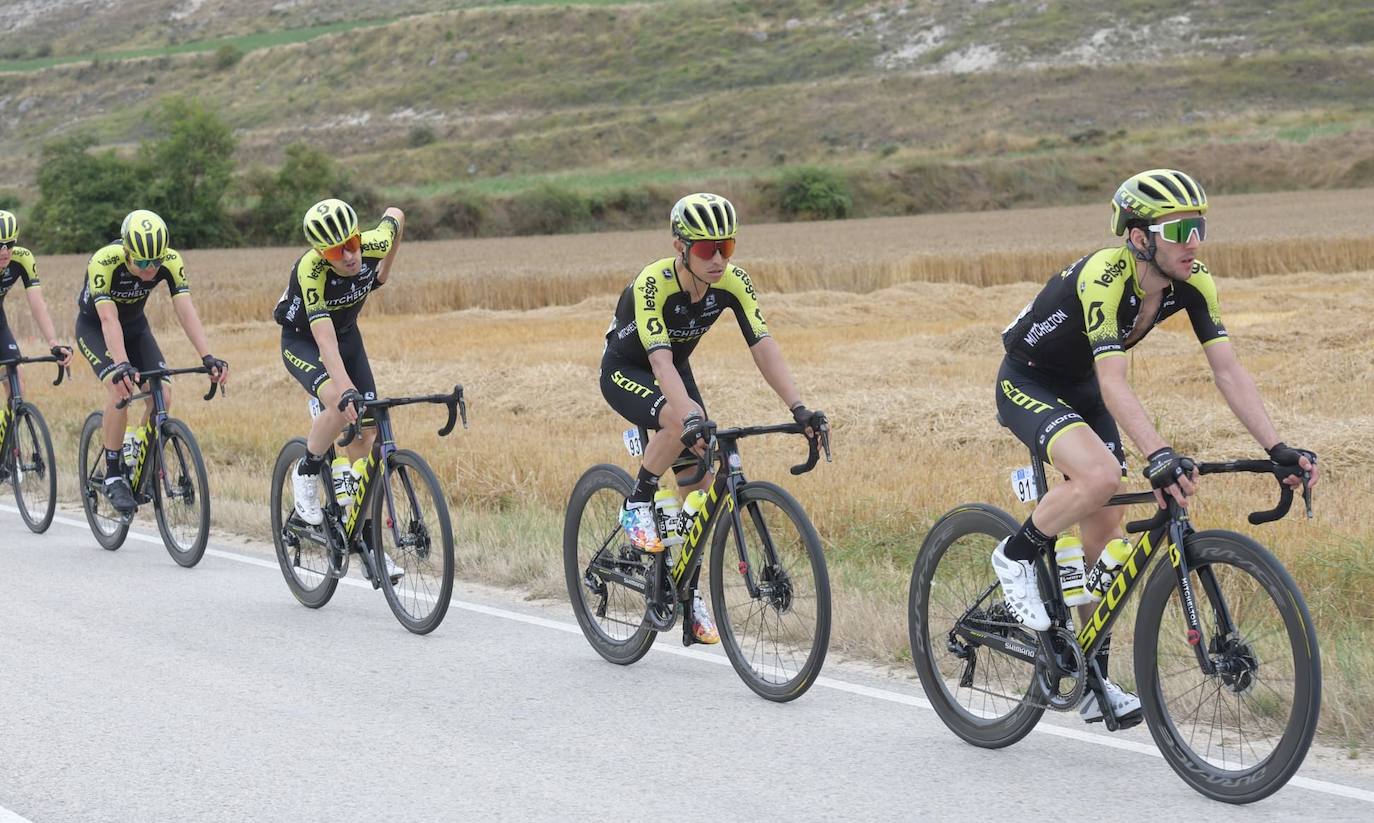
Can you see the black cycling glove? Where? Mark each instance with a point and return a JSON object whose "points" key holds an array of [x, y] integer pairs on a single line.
{"points": [[814, 420], [62, 351], [1286, 455], [693, 429], [1166, 466], [123, 371], [214, 364], [351, 397]]}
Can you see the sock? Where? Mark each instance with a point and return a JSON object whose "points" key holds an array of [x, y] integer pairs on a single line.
{"points": [[1027, 542], [645, 486], [114, 463], [1102, 655], [311, 464]]}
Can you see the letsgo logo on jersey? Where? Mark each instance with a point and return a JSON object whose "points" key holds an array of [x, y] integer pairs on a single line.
{"points": [[650, 292], [1044, 327], [1110, 273]]}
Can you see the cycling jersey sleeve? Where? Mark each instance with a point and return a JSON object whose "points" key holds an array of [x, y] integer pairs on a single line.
{"points": [[28, 266], [174, 272], [751, 323], [1199, 293], [1101, 284], [100, 274], [310, 276], [651, 289], [377, 243]]}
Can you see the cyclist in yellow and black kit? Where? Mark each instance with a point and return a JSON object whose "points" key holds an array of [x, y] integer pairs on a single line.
{"points": [[18, 265], [1062, 387], [645, 375], [112, 332], [321, 344]]}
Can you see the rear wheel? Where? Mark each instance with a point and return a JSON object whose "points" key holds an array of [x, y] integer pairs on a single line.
{"points": [[776, 634], [34, 471], [980, 694], [596, 557], [418, 538], [302, 549], [108, 526], [182, 495], [1238, 734]]}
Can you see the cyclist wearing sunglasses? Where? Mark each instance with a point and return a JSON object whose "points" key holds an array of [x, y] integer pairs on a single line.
{"points": [[112, 331], [1062, 387], [18, 265], [645, 375], [321, 344]]}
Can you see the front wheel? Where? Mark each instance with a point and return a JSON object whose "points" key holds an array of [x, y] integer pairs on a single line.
{"points": [[597, 557], [109, 527], [302, 549], [410, 525], [980, 693], [34, 471], [181, 494], [1238, 734], [771, 592]]}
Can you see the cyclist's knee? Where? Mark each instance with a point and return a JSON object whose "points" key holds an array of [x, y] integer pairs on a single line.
{"points": [[328, 395], [670, 418]]}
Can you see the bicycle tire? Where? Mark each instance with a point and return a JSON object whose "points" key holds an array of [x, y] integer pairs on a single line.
{"points": [[1255, 589], [311, 584], [104, 521], [34, 470], [590, 525], [416, 554], [181, 466], [1003, 715], [763, 635]]}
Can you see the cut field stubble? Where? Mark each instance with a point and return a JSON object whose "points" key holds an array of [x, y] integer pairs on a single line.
{"points": [[905, 372]]}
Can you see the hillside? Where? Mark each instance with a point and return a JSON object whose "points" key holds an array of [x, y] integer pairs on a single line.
{"points": [[927, 106]]}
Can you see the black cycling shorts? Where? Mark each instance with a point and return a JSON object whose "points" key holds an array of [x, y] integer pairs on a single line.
{"points": [[634, 394], [9, 347], [139, 344], [1038, 409], [301, 354]]}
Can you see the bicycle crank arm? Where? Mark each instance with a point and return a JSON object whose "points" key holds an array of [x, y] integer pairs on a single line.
{"points": [[1010, 647]]}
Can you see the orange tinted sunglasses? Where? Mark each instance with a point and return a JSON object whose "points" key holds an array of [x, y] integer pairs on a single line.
{"points": [[706, 249], [335, 253]]}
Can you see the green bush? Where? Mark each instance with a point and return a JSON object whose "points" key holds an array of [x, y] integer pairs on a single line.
{"points": [[420, 136], [227, 56], [814, 194], [83, 197], [307, 176], [549, 209], [188, 172]]}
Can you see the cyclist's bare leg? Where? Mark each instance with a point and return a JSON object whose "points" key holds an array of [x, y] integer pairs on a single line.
{"points": [[666, 444], [112, 425], [329, 423], [1093, 476]]}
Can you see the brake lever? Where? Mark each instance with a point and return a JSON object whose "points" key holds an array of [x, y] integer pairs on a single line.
{"points": [[62, 372], [1307, 493]]}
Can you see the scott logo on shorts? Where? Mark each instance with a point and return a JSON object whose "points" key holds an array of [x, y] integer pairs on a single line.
{"points": [[297, 362], [1022, 399], [629, 385]]}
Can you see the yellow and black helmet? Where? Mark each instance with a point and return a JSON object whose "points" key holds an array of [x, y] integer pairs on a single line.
{"points": [[144, 235], [703, 216], [329, 223], [1153, 194], [9, 227]]}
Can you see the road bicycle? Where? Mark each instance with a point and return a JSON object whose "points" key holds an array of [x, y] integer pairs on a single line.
{"points": [[168, 472], [770, 591], [1226, 658], [407, 521], [26, 458]]}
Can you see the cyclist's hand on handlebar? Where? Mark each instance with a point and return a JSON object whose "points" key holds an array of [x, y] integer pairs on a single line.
{"points": [[694, 433], [351, 404], [122, 378], [219, 370], [813, 422], [1172, 473], [63, 354], [1286, 455]]}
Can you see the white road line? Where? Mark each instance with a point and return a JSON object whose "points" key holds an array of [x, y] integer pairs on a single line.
{"points": [[1323, 786], [7, 816]]}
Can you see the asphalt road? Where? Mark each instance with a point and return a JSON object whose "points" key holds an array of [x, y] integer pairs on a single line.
{"points": [[132, 689]]}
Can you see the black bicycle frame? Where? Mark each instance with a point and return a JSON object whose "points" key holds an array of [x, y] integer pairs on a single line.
{"points": [[16, 396], [153, 378]]}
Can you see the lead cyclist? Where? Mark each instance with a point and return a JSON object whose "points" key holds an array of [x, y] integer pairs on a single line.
{"points": [[1062, 386]]}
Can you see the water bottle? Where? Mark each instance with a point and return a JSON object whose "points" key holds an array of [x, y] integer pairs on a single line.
{"points": [[1068, 554], [341, 470], [695, 502], [1104, 572], [669, 513]]}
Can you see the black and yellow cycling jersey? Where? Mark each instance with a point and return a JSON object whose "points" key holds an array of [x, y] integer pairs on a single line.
{"points": [[656, 312], [317, 292], [108, 279], [22, 267], [1090, 311]]}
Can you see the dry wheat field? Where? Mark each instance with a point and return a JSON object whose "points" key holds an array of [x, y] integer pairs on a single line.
{"points": [[879, 332]]}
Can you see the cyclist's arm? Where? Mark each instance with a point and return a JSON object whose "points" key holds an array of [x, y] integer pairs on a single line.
{"points": [[39, 307], [768, 357], [399, 217], [111, 330], [670, 382], [1124, 406], [189, 319], [1238, 387]]}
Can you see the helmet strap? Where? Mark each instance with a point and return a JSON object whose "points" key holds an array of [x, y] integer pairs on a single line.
{"points": [[687, 264]]}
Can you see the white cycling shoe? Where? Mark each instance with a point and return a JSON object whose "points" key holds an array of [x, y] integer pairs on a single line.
{"points": [[1123, 702], [1020, 589], [306, 490]]}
